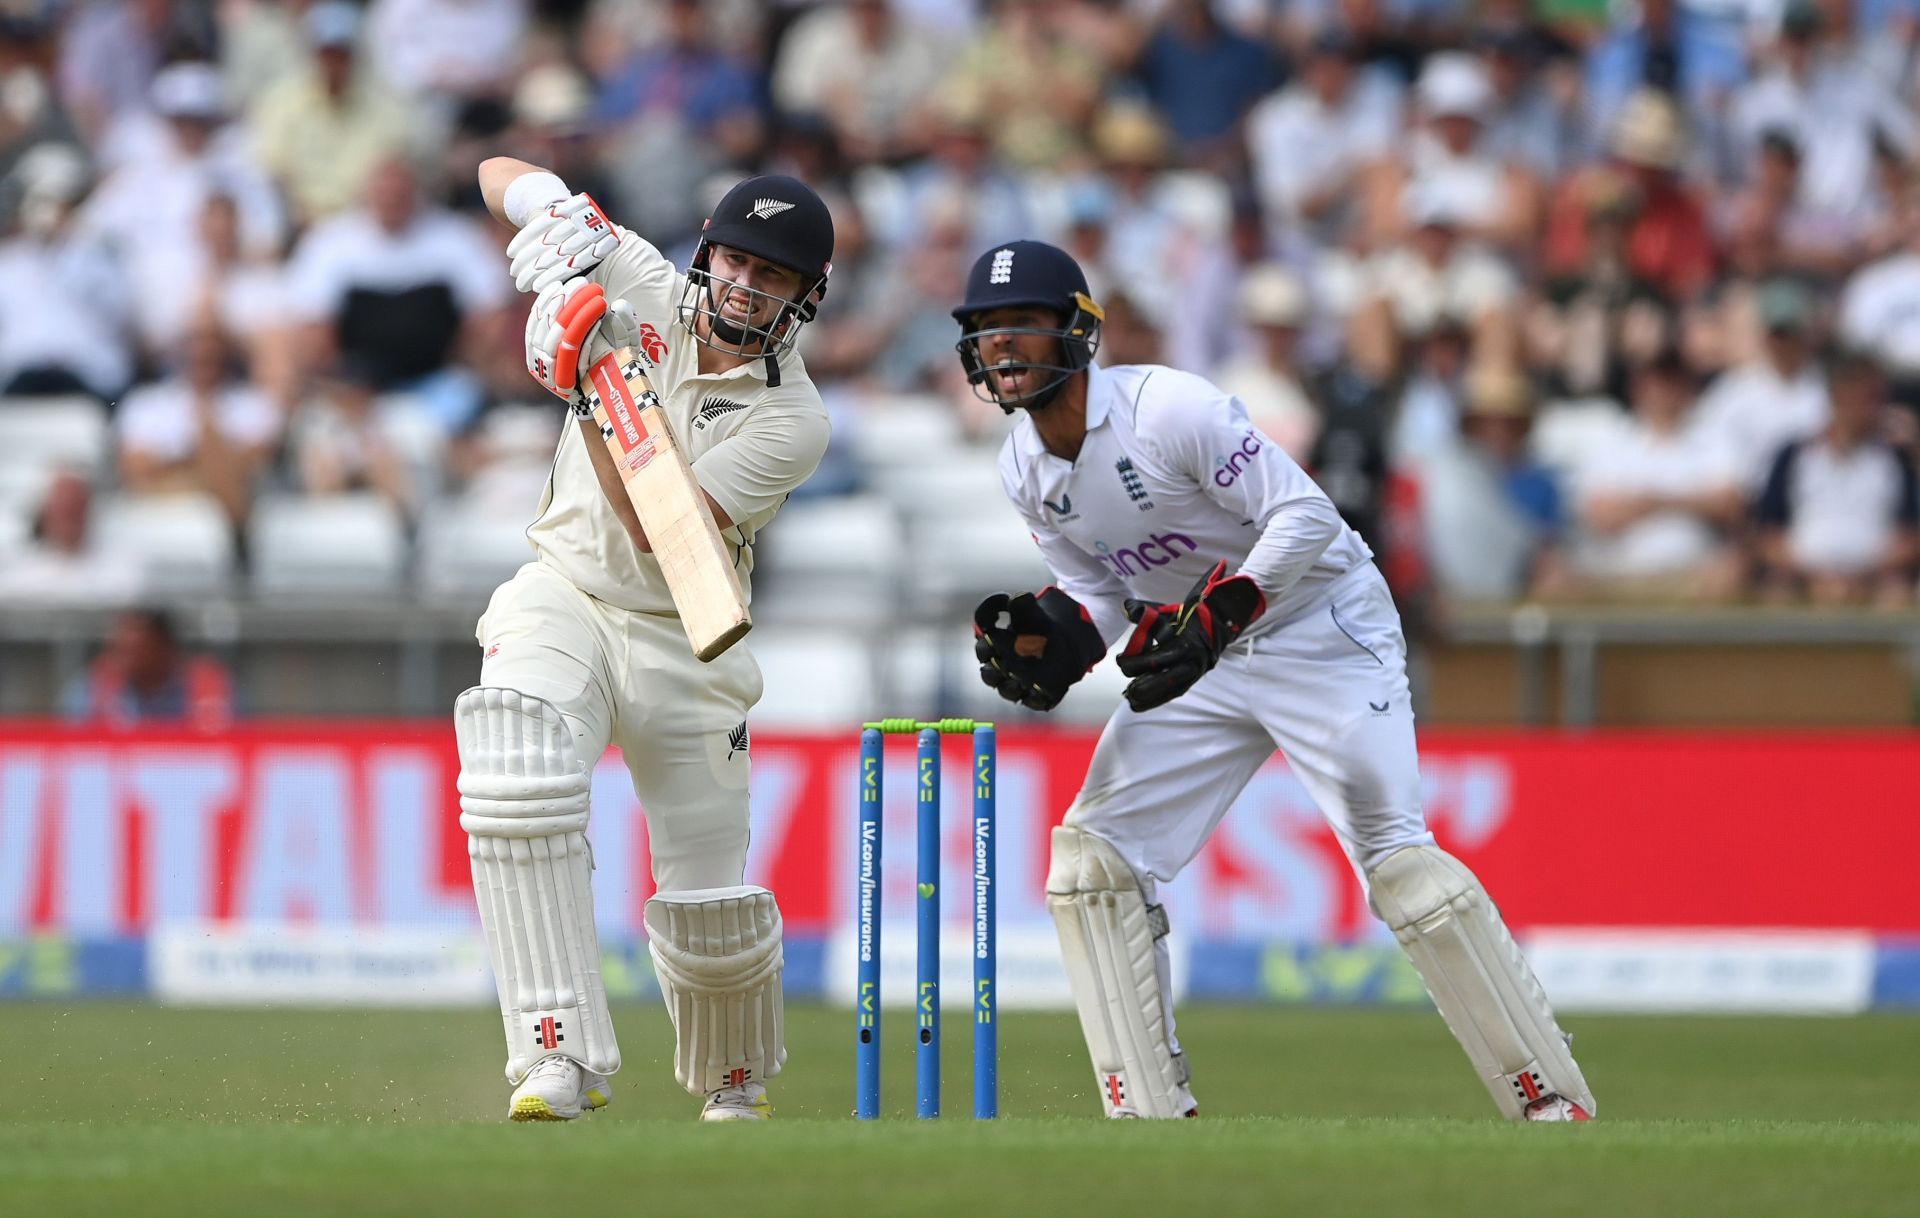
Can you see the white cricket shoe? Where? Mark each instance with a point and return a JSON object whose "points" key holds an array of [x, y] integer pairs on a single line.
{"points": [[743, 1103], [558, 1089], [1556, 1108]]}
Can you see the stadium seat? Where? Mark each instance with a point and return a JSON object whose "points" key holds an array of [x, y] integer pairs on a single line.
{"points": [[813, 679], [184, 542], [464, 551], [417, 438], [821, 558], [905, 431], [954, 559], [39, 432], [305, 544]]}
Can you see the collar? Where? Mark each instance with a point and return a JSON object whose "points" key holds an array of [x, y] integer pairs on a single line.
{"points": [[1099, 384]]}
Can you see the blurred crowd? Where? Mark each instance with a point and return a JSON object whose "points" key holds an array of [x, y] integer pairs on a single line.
{"points": [[1556, 299]]}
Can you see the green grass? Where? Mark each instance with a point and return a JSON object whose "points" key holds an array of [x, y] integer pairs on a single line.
{"points": [[144, 1110]]}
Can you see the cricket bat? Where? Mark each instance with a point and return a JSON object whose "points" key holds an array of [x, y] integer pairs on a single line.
{"points": [[670, 504]]}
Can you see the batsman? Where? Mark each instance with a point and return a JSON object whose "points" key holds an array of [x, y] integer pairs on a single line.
{"points": [[583, 647], [1253, 619]]}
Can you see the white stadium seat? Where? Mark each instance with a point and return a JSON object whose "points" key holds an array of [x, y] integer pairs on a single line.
{"points": [[823, 559], [905, 431], [351, 544], [954, 558], [813, 679], [38, 432], [464, 551], [184, 542]]}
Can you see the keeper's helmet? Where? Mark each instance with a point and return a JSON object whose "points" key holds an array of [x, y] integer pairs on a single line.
{"points": [[1028, 274], [783, 221]]}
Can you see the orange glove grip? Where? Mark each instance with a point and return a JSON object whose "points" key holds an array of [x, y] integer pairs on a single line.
{"points": [[576, 318]]}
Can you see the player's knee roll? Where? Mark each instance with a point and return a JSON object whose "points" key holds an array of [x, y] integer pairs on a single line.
{"points": [[1414, 883], [520, 775]]}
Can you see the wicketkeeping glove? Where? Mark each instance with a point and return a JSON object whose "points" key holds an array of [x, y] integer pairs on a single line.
{"points": [[564, 239], [1173, 646], [1031, 648]]}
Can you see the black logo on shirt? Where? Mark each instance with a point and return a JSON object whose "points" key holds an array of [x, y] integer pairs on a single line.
{"points": [[712, 409], [737, 739], [1062, 508], [1130, 482]]}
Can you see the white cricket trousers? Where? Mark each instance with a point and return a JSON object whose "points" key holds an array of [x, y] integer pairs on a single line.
{"points": [[631, 679], [1328, 689]]}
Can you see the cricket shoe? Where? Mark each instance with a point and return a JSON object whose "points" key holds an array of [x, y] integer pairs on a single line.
{"points": [[558, 1089], [747, 1102], [1556, 1108]]}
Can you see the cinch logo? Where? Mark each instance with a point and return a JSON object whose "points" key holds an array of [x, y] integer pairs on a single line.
{"points": [[1137, 558], [1235, 461]]}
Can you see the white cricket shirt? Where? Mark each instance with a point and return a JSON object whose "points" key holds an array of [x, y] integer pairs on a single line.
{"points": [[1173, 478], [750, 443]]}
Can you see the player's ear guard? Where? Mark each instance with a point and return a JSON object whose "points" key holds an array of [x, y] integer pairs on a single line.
{"points": [[1173, 646], [1032, 648]]}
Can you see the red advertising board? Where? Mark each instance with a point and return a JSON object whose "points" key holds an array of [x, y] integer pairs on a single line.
{"points": [[321, 823]]}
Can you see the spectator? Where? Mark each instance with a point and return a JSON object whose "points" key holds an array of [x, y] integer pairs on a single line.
{"points": [[1493, 516], [339, 446], [397, 287], [30, 114], [1658, 502], [675, 113], [1880, 307], [246, 295], [1666, 244], [1037, 85], [66, 565], [1435, 276], [143, 677], [446, 49], [149, 207], [1534, 120], [960, 161], [1755, 407], [1839, 518], [1203, 78], [1273, 302], [1834, 112], [1308, 142], [322, 131], [1685, 53], [112, 49], [202, 431], [57, 281], [1449, 164], [866, 68]]}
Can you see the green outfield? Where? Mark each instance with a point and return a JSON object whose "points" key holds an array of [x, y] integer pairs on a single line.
{"points": [[108, 1109]]}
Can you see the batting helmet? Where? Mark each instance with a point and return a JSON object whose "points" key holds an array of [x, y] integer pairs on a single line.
{"points": [[783, 221], [1028, 274]]}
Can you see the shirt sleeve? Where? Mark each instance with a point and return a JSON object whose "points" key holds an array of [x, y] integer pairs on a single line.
{"points": [[1205, 434], [1774, 509], [751, 472], [1076, 572], [638, 272]]}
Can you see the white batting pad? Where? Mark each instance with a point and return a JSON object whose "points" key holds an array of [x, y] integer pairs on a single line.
{"points": [[1478, 978], [1107, 938], [717, 954], [523, 803]]}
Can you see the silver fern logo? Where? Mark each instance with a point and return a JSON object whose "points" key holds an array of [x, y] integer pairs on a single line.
{"points": [[764, 208], [712, 409], [737, 740]]}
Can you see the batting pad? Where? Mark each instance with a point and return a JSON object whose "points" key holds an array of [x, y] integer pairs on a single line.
{"points": [[1478, 978], [1107, 939], [523, 803], [717, 954]]}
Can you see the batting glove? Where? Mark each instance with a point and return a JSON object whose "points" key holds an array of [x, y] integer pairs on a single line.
{"points": [[564, 239], [562, 317]]}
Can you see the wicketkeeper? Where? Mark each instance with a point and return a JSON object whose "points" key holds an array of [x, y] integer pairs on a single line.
{"points": [[1253, 619]]}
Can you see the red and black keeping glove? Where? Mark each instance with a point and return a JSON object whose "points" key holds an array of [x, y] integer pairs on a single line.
{"points": [[1173, 646], [1031, 648]]}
